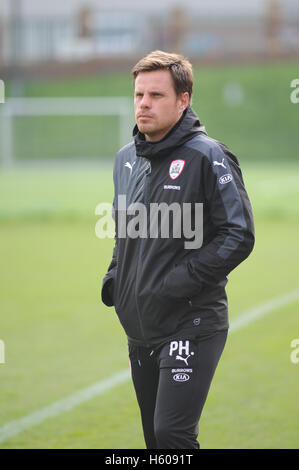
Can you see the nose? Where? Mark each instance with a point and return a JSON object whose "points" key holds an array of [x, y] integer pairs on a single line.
{"points": [[145, 102]]}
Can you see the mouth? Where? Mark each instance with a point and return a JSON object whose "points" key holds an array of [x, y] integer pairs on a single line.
{"points": [[144, 116]]}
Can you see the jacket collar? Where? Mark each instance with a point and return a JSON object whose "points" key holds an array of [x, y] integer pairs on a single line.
{"points": [[185, 129]]}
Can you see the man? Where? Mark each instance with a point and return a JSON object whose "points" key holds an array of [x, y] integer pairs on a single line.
{"points": [[170, 296]]}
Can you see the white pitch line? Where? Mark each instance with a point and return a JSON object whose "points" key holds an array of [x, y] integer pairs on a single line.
{"points": [[68, 403], [256, 312]]}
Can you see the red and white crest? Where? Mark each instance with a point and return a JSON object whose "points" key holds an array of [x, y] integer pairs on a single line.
{"points": [[176, 168]]}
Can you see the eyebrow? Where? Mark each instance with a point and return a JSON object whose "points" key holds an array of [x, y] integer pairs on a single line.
{"points": [[152, 92]]}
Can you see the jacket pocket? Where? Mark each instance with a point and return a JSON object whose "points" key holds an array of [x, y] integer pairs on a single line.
{"points": [[178, 284], [107, 292]]}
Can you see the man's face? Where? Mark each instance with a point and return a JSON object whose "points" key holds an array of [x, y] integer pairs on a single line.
{"points": [[157, 107]]}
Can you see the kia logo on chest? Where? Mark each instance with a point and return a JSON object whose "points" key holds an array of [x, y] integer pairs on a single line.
{"points": [[176, 167], [225, 179], [181, 377]]}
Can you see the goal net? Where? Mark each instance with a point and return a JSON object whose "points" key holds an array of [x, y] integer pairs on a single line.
{"points": [[47, 130]]}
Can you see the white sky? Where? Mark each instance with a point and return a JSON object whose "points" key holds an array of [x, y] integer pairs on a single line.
{"points": [[38, 8], [65, 7]]}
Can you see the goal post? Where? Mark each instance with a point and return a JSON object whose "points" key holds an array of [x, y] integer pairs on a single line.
{"points": [[102, 107]]}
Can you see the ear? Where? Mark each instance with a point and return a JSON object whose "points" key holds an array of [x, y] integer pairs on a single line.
{"points": [[184, 100]]}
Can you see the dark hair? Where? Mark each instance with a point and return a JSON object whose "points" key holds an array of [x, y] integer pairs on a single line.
{"points": [[179, 67]]}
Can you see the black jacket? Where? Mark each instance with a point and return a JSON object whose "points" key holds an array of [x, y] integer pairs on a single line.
{"points": [[160, 288]]}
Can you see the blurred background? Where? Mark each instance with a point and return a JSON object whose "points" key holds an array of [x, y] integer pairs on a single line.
{"points": [[87, 48], [68, 108]]}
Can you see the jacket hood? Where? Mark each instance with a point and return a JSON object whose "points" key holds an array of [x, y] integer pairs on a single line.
{"points": [[185, 129]]}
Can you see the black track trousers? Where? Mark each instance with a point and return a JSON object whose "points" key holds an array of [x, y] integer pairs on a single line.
{"points": [[171, 385]]}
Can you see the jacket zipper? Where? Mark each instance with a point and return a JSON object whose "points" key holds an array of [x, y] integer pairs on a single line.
{"points": [[145, 192]]}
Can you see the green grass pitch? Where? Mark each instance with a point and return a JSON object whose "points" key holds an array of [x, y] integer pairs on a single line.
{"points": [[60, 338], [263, 124]]}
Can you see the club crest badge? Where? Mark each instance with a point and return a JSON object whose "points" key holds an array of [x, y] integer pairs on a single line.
{"points": [[176, 168]]}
